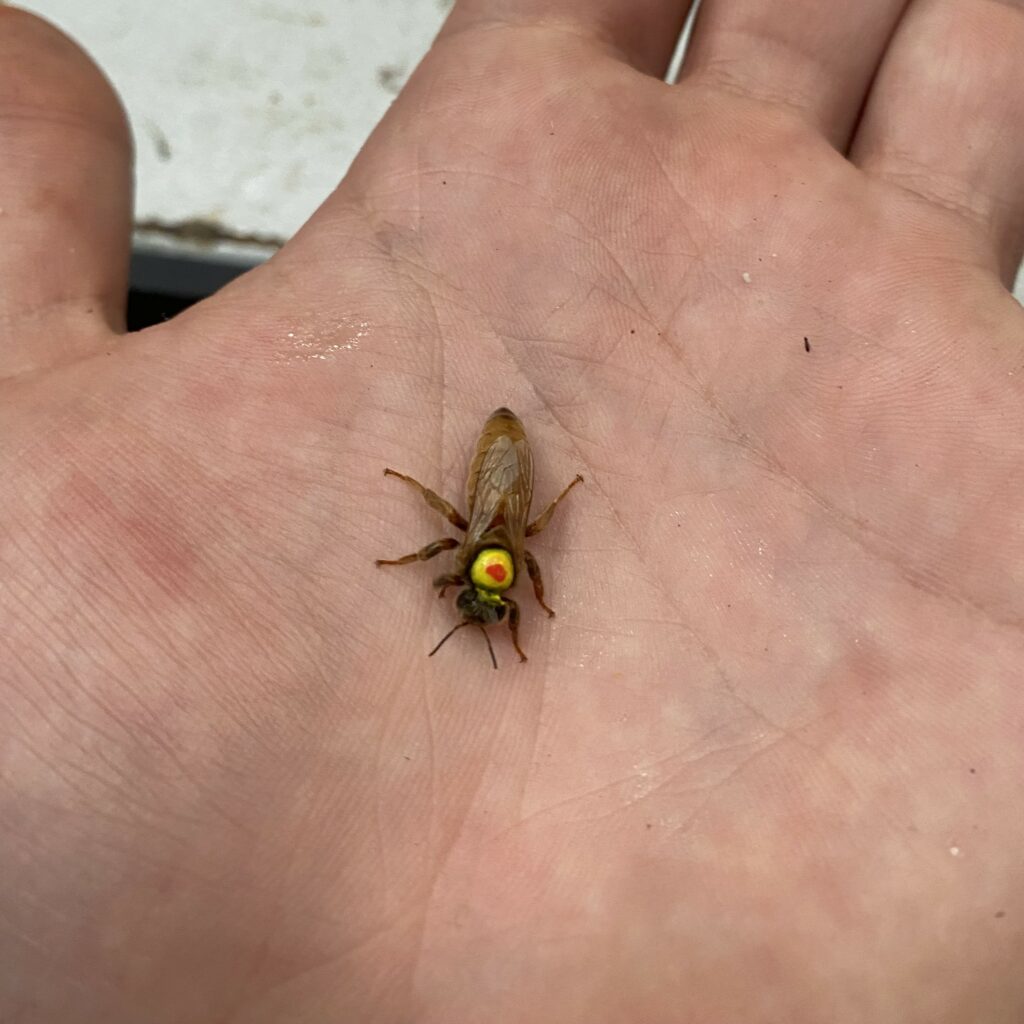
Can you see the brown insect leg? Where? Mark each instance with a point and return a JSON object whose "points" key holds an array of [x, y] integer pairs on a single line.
{"points": [[451, 579], [545, 517], [513, 625], [430, 551], [538, 582], [434, 500]]}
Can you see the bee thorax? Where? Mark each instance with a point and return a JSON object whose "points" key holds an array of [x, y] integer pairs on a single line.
{"points": [[492, 570]]}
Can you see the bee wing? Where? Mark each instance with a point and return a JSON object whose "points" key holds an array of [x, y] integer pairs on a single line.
{"points": [[501, 489]]}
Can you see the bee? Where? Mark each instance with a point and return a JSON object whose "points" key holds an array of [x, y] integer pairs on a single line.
{"points": [[492, 554]]}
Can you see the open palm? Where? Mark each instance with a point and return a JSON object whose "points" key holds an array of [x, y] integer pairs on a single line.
{"points": [[765, 764]]}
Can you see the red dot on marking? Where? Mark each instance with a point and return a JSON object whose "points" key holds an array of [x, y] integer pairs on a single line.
{"points": [[496, 572]]}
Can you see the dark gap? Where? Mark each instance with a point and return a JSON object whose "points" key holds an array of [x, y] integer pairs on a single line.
{"points": [[162, 285]]}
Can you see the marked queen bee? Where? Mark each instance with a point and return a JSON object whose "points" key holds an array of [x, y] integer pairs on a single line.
{"points": [[492, 554]]}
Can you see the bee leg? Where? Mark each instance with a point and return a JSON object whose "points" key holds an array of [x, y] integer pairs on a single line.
{"points": [[430, 551], [538, 582], [434, 500], [452, 579], [545, 517], [513, 625]]}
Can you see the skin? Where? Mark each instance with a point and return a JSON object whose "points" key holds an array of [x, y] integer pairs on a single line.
{"points": [[765, 765]]}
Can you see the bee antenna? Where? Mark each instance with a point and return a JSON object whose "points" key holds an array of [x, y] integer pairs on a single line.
{"points": [[440, 642], [455, 629], [494, 660]]}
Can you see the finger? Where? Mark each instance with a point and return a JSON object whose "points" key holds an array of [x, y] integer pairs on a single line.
{"points": [[65, 196], [946, 114], [642, 32], [813, 57]]}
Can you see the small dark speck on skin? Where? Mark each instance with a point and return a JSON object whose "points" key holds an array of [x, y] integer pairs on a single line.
{"points": [[632, 330], [1000, 913], [807, 345], [649, 825], [407, 757], [971, 770]]}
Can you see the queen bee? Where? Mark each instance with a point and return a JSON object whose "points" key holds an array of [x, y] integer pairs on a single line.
{"points": [[492, 553]]}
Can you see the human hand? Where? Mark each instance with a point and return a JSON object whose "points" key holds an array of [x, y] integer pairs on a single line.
{"points": [[766, 763]]}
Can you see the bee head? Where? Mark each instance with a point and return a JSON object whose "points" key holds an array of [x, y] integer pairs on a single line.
{"points": [[479, 608], [482, 606]]}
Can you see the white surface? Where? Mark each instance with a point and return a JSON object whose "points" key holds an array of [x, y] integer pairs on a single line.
{"points": [[246, 113]]}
